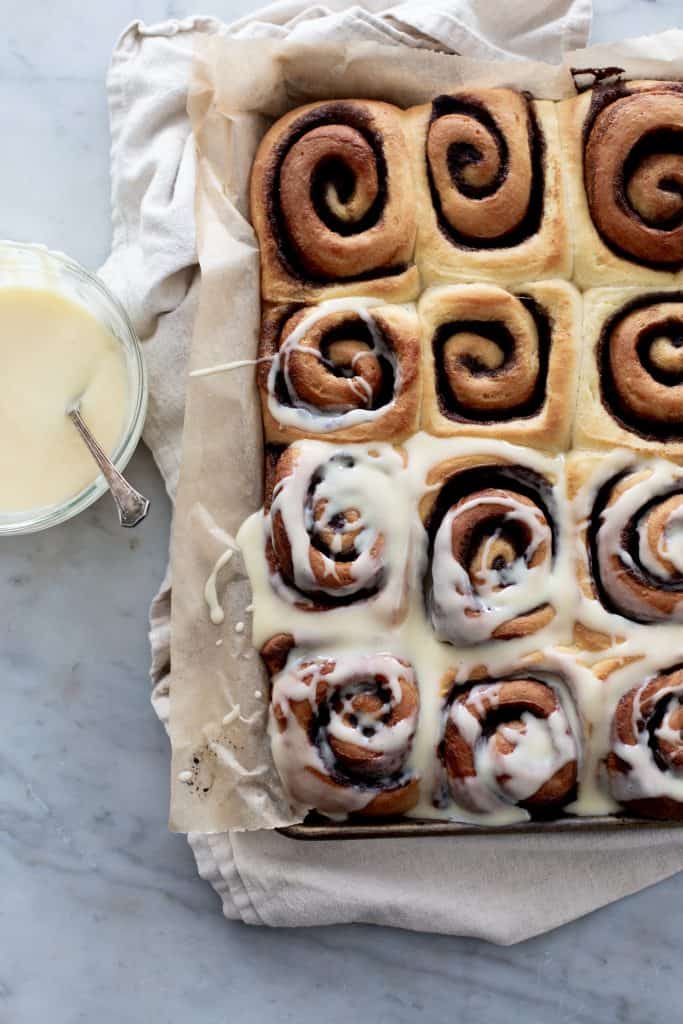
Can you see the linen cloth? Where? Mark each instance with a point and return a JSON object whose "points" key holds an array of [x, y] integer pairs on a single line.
{"points": [[500, 888]]}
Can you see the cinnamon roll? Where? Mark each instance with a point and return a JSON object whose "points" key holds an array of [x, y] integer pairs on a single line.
{"points": [[491, 202], [336, 533], [628, 515], [509, 742], [631, 383], [494, 530], [623, 144], [341, 731], [332, 204], [347, 370], [645, 761], [500, 364]]}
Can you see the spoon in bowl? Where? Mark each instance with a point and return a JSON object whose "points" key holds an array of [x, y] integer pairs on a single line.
{"points": [[132, 506]]}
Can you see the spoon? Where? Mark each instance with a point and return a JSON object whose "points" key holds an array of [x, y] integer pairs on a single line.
{"points": [[131, 505]]}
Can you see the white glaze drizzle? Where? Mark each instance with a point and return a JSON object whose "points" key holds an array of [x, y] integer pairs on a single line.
{"points": [[350, 478], [216, 613], [232, 715], [654, 647], [379, 624], [468, 611], [542, 748], [304, 765], [662, 476], [645, 779], [591, 612], [236, 364], [309, 417]]}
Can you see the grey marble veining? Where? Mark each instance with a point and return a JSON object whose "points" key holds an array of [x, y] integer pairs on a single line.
{"points": [[102, 917]]}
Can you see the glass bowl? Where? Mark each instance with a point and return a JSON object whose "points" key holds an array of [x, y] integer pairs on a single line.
{"points": [[34, 266]]}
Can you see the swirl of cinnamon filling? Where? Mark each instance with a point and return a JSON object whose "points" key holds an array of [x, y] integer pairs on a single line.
{"points": [[326, 533], [492, 549], [636, 543], [640, 354], [341, 733], [484, 159], [633, 170], [338, 192], [645, 762], [509, 742], [491, 355]]}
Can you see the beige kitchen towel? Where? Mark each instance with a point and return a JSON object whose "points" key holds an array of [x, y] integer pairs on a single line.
{"points": [[501, 888]]}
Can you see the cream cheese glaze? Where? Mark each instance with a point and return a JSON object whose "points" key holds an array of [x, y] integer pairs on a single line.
{"points": [[341, 731], [309, 417], [513, 762], [365, 627], [629, 621], [589, 682], [53, 352], [339, 528], [648, 754]]}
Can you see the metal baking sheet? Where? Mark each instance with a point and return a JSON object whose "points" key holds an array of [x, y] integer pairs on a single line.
{"points": [[316, 829]]}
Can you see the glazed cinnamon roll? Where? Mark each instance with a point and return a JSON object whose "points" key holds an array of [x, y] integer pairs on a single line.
{"points": [[332, 203], [347, 370], [631, 370], [341, 731], [500, 364], [491, 202], [645, 761], [494, 533], [623, 143], [509, 742], [336, 533], [629, 519]]}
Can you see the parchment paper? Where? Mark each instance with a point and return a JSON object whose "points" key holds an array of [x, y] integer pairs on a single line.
{"points": [[222, 775]]}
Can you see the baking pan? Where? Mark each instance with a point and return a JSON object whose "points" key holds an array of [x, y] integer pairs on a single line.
{"points": [[315, 828]]}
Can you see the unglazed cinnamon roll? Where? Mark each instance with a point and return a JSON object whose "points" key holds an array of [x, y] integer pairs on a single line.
{"points": [[341, 731], [626, 175], [645, 760], [500, 364], [335, 531], [509, 742], [628, 515], [332, 203], [491, 202], [630, 390], [347, 370], [494, 532]]}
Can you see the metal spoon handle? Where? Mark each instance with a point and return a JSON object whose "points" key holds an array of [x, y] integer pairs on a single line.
{"points": [[131, 505]]}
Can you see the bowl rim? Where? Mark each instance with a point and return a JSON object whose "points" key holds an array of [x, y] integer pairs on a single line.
{"points": [[33, 520]]}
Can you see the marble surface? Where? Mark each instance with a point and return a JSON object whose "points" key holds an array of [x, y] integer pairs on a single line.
{"points": [[102, 916]]}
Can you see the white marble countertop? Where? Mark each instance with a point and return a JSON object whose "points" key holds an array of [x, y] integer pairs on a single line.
{"points": [[102, 916]]}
